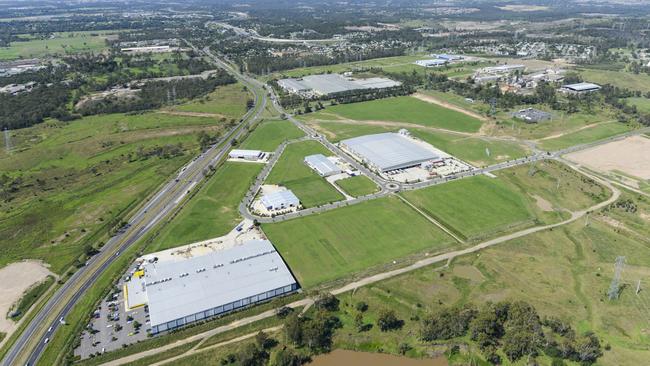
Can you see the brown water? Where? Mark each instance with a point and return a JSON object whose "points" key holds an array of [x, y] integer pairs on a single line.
{"points": [[341, 357]]}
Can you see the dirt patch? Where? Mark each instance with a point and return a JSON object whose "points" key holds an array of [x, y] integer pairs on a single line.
{"points": [[629, 156], [15, 279], [543, 204], [523, 8], [434, 100], [390, 124]]}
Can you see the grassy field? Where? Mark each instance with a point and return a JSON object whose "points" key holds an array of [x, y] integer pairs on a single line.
{"points": [[563, 273], [479, 207], [352, 239], [584, 136], [642, 104], [228, 101], [72, 179], [400, 109], [356, 186], [59, 44], [622, 79], [214, 211], [270, 134], [469, 149], [291, 171], [476, 106]]}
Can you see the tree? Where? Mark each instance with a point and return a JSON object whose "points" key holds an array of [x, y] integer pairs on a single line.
{"points": [[289, 357], [361, 306], [252, 355], [387, 320], [588, 349], [327, 301]]}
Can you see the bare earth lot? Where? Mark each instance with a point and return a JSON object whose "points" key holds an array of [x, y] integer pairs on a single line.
{"points": [[15, 279], [630, 156]]}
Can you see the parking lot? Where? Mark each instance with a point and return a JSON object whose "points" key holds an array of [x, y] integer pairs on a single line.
{"points": [[111, 327]]}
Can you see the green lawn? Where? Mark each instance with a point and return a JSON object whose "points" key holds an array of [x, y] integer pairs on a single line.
{"points": [[60, 44], [595, 133], [642, 104], [401, 109], [269, 135], [228, 101], [359, 185], [473, 206], [291, 171], [331, 245], [214, 211]]}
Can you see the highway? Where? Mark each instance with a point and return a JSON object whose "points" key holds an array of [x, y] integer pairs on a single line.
{"points": [[31, 343]]}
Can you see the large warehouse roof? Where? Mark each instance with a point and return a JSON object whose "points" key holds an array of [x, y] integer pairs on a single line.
{"points": [[581, 87], [389, 151], [325, 84], [322, 165], [176, 289], [280, 199]]}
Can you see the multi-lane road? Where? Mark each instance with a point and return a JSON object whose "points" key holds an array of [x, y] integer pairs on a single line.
{"points": [[34, 339]]}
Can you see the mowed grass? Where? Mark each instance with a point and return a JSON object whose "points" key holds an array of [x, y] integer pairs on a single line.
{"points": [[268, 135], [337, 243], [470, 206], [213, 211], [480, 207], [473, 150], [401, 109], [291, 171], [642, 104], [357, 186], [75, 178], [228, 101], [587, 135], [61, 44]]}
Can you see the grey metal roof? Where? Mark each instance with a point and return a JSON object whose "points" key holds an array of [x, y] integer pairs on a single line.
{"points": [[284, 198], [325, 84], [245, 153], [389, 151], [321, 164], [582, 86], [213, 279]]}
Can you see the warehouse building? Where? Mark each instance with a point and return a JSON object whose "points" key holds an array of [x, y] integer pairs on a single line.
{"points": [[246, 154], [183, 290], [431, 63], [580, 88], [389, 151], [280, 200], [322, 165], [329, 84]]}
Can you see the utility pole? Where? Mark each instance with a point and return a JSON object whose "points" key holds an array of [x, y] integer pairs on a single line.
{"points": [[638, 287]]}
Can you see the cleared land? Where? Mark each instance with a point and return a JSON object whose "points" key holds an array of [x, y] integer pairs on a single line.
{"points": [[359, 185], [629, 156], [292, 172], [15, 280], [583, 136], [401, 109], [74, 179], [213, 211], [622, 79], [267, 136], [337, 243], [228, 101], [479, 207], [59, 44]]}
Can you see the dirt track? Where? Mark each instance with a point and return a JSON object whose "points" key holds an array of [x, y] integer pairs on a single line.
{"points": [[434, 100]]}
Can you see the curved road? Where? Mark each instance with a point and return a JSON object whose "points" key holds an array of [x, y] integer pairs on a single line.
{"points": [[33, 340]]}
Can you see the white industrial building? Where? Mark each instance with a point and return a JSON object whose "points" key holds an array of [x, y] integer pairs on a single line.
{"points": [[389, 151], [328, 84], [182, 290], [580, 88], [322, 165], [431, 63], [280, 200], [503, 69], [246, 154]]}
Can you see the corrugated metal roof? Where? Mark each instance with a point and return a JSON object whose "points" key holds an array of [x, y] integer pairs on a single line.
{"points": [[284, 198], [213, 280], [325, 84], [245, 153], [322, 164], [582, 86], [389, 151]]}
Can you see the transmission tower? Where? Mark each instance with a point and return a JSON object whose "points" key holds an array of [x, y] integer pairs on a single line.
{"points": [[487, 151], [174, 93], [493, 106], [614, 287]]}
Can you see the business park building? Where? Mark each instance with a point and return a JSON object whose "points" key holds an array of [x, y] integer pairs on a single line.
{"points": [[184, 286], [401, 157]]}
